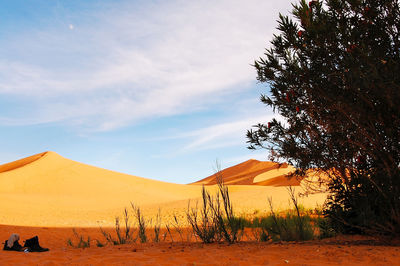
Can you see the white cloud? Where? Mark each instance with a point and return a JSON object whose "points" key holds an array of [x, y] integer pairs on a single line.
{"points": [[135, 64]]}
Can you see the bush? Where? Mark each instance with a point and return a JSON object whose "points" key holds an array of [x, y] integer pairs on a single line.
{"points": [[283, 227], [142, 223], [203, 224], [177, 227], [228, 225], [82, 243], [326, 229], [124, 235], [293, 226], [333, 75], [157, 227], [216, 220], [360, 206]]}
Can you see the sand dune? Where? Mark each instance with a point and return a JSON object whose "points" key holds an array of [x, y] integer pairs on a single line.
{"points": [[253, 172], [49, 190]]}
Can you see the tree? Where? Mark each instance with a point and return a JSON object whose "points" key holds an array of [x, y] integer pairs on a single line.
{"points": [[334, 77]]}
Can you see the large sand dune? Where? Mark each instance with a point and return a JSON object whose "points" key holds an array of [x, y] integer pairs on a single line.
{"points": [[49, 190]]}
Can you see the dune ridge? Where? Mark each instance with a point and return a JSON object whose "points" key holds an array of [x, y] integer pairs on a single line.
{"points": [[21, 162]]}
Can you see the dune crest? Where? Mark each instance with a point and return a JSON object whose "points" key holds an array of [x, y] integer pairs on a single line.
{"points": [[21, 162]]}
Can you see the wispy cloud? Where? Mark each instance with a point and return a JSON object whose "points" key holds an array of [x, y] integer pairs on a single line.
{"points": [[135, 63], [225, 134]]}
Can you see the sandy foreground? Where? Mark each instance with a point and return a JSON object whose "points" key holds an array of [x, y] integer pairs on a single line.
{"points": [[48, 195], [338, 251]]}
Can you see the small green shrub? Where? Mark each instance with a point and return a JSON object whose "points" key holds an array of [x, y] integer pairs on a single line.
{"points": [[289, 228], [82, 243], [69, 242], [216, 220], [177, 227], [128, 232], [99, 244], [157, 227], [264, 236], [124, 235], [142, 223], [259, 233], [169, 232], [283, 227], [108, 237], [203, 224], [326, 229], [229, 226], [293, 225]]}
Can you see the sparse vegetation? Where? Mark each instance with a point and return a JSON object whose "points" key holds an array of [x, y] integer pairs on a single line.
{"points": [[99, 244], [216, 220], [82, 243], [169, 232], [69, 242], [229, 226], [108, 237], [325, 227], [157, 227], [141, 222], [177, 226], [292, 225], [284, 227], [124, 235], [203, 224]]}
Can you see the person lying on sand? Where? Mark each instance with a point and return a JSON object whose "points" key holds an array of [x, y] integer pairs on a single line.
{"points": [[31, 245]]}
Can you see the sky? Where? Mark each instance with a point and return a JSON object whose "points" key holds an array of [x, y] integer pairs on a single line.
{"points": [[158, 89]]}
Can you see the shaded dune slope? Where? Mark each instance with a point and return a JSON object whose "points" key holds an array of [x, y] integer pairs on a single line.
{"points": [[254, 172]]}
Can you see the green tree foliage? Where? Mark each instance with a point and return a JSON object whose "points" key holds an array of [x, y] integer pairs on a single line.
{"points": [[334, 76]]}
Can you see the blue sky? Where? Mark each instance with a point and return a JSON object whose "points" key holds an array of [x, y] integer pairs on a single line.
{"points": [[159, 89]]}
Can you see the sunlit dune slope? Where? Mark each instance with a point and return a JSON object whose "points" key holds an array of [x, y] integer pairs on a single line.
{"points": [[52, 174], [49, 190], [253, 172], [48, 184]]}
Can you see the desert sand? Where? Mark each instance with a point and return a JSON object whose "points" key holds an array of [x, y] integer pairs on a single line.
{"points": [[48, 195], [49, 190]]}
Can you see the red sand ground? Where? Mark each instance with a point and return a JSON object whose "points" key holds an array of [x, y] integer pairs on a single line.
{"points": [[339, 251]]}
